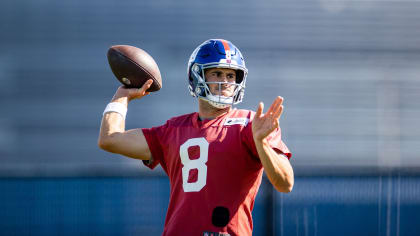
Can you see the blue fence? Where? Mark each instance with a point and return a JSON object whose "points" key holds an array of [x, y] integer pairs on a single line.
{"points": [[329, 205]]}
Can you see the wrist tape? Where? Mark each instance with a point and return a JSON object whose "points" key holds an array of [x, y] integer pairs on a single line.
{"points": [[116, 107]]}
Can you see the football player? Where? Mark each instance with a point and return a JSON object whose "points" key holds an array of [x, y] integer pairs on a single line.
{"points": [[214, 158]]}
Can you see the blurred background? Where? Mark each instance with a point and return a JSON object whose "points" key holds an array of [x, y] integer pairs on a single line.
{"points": [[348, 70]]}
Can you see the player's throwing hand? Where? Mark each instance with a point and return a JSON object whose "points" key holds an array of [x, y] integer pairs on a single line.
{"points": [[133, 93], [264, 124]]}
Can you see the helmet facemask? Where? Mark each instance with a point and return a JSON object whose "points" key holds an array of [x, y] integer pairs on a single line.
{"points": [[203, 91]]}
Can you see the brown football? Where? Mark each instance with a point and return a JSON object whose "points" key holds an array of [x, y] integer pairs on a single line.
{"points": [[133, 67]]}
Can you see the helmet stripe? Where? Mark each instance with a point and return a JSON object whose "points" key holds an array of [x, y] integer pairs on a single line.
{"points": [[225, 45], [227, 50]]}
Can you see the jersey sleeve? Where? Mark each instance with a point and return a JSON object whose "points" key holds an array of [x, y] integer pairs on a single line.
{"points": [[274, 139], [154, 137]]}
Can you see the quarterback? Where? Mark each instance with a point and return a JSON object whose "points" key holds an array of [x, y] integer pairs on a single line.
{"points": [[214, 158]]}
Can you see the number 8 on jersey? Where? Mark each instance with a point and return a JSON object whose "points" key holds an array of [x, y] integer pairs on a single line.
{"points": [[199, 164]]}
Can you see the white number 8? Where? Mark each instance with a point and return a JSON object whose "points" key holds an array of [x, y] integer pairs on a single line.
{"points": [[199, 164]]}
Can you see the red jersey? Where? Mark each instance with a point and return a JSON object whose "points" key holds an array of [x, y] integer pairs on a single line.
{"points": [[211, 163]]}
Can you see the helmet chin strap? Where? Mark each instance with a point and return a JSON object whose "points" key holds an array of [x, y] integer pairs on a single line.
{"points": [[219, 101], [219, 105], [215, 104]]}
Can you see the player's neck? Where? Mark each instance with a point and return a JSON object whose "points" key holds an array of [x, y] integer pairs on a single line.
{"points": [[208, 112]]}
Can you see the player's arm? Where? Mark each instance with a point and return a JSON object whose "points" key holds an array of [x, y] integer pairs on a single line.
{"points": [[277, 167], [114, 138]]}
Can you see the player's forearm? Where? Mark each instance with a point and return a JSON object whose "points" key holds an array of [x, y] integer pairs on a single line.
{"points": [[277, 168], [112, 125]]}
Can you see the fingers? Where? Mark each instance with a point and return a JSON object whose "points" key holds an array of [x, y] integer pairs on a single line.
{"points": [[275, 107], [140, 92], [259, 110], [135, 93], [146, 86], [278, 103], [278, 110]]}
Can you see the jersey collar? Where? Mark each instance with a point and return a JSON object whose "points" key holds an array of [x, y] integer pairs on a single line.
{"points": [[201, 124]]}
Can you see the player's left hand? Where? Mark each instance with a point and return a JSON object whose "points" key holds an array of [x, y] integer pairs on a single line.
{"points": [[264, 124]]}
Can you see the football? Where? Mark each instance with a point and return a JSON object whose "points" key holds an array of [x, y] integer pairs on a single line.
{"points": [[133, 67]]}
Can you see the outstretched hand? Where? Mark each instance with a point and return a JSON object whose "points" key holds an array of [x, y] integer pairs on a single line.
{"points": [[264, 124]]}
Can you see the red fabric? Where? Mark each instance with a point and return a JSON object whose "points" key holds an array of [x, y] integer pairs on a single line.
{"points": [[230, 178]]}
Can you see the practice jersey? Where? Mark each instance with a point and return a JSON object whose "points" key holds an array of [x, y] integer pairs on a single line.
{"points": [[210, 164]]}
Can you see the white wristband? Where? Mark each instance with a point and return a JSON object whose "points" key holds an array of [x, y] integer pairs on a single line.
{"points": [[116, 107]]}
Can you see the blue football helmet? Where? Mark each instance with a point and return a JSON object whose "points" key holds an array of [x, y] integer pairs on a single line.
{"points": [[216, 53]]}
